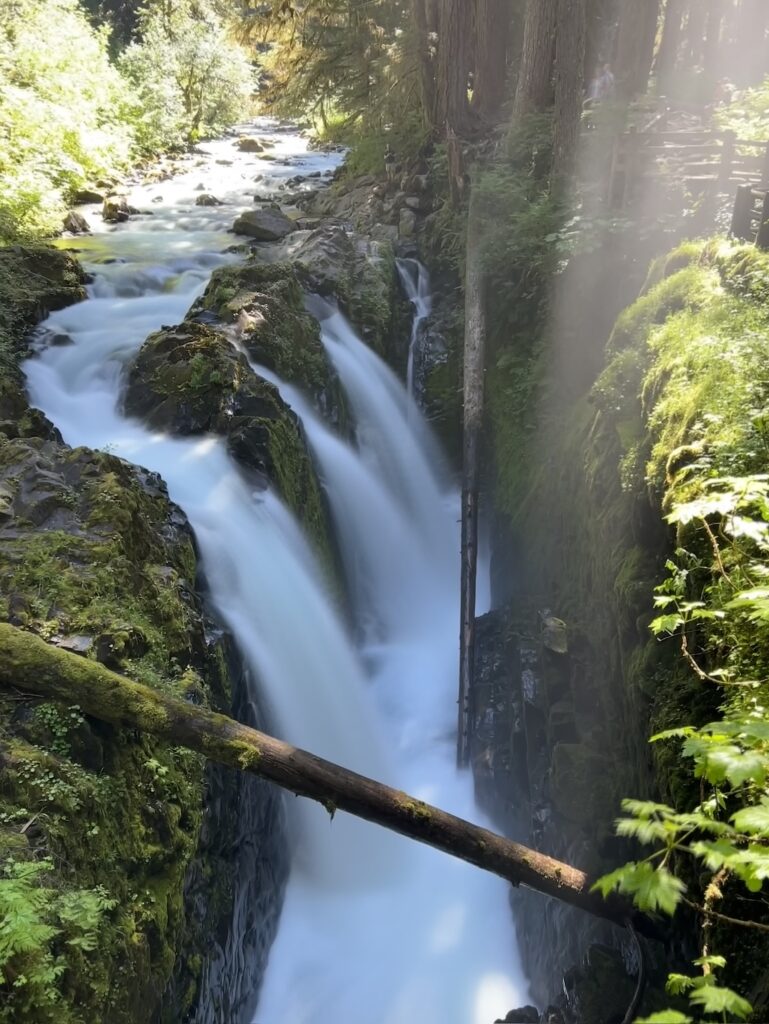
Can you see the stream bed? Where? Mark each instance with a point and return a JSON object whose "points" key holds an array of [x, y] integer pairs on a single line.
{"points": [[374, 927]]}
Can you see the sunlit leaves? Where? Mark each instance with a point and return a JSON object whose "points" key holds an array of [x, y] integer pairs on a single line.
{"points": [[651, 888], [714, 999], [665, 1017]]}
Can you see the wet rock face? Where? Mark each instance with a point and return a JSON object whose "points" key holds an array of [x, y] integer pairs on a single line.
{"points": [[546, 781]]}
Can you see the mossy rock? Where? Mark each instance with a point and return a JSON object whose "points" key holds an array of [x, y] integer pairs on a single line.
{"points": [[265, 302], [94, 548], [190, 380], [34, 280]]}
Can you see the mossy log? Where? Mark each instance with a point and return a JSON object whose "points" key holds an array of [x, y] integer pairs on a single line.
{"points": [[28, 663]]}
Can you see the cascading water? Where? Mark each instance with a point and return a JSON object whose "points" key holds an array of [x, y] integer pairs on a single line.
{"points": [[373, 926], [416, 283]]}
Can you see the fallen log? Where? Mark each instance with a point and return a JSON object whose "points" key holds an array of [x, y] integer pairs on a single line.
{"points": [[29, 664]]}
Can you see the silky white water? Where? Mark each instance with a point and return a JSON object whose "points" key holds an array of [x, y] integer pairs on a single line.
{"points": [[416, 284], [374, 927]]}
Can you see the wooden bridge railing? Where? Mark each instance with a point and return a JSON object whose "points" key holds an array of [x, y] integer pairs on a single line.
{"points": [[706, 160]]}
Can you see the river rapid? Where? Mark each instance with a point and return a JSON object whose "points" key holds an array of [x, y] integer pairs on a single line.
{"points": [[373, 927]]}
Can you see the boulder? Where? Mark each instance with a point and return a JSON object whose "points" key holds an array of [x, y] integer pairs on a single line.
{"points": [[84, 196], [326, 261], [76, 223], [115, 209], [523, 1015], [407, 223], [264, 225], [247, 144], [206, 199], [265, 304]]}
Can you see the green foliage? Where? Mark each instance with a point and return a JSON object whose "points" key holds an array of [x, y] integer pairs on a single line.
{"points": [[704, 394], [748, 115], [37, 923], [350, 66], [70, 116], [188, 78], [60, 111]]}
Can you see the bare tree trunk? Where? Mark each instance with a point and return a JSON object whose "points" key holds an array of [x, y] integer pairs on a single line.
{"points": [[492, 18], [451, 106], [472, 424], [635, 46], [569, 88], [534, 91], [752, 42], [670, 44], [712, 57], [695, 34], [28, 663], [426, 66]]}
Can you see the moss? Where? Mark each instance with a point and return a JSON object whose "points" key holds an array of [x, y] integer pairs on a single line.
{"points": [[109, 808], [267, 302]]}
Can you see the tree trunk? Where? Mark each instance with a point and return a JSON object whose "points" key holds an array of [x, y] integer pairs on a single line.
{"points": [[695, 34], [635, 46], [473, 388], [569, 88], [451, 103], [424, 57], [753, 58], [712, 57], [534, 92], [670, 44], [492, 19], [27, 663]]}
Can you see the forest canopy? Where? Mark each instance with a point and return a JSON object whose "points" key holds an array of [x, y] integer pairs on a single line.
{"points": [[73, 111]]}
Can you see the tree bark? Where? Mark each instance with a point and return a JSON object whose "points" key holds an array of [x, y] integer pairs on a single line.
{"points": [[534, 91], [426, 67], [29, 664], [569, 88], [473, 395], [635, 45], [451, 102], [670, 44], [492, 18], [753, 58]]}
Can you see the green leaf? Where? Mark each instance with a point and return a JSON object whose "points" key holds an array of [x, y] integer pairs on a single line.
{"points": [[673, 734], [753, 820], [714, 999], [710, 961], [665, 1017], [678, 983], [666, 624], [651, 888]]}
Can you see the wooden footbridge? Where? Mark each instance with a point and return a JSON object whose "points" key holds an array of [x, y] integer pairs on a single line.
{"points": [[706, 162]]}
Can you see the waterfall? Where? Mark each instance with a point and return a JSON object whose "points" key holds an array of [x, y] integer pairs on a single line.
{"points": [[416, 283], [374, 926]]}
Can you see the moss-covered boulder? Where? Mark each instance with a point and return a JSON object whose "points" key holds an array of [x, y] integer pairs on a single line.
{"points": [[264, 303], [191, 380], [34, 280], [101, 830]]}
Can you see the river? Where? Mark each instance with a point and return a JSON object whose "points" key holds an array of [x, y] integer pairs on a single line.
{"points": [[373, 927]]}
